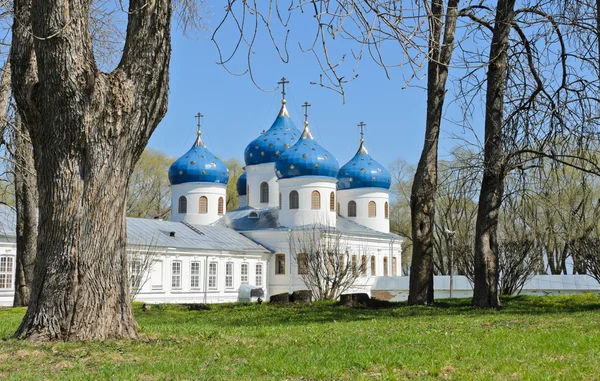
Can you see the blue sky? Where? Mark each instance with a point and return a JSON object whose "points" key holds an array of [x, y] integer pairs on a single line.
{"points": [[236, 111]]}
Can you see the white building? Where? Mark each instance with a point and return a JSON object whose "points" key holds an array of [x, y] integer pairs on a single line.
{"points": [[291, 186]]}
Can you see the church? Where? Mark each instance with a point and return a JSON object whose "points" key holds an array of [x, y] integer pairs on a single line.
{"points": [[292, 189]]}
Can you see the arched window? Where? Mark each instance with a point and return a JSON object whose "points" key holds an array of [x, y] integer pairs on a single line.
{"points": [[372, 209], [315, 200], [352, 209], [302, 259], [280, 200], [338, 208], [386, 210], [354, 268], [332, 201], [220, 205], [363, 265], [247, 195], [264, 192], [203, 205], [385, 266], [394, 267], [182, 205], [373, 266], [294, 200]]}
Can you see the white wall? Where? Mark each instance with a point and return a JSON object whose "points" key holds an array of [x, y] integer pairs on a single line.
{"points": [[193, 192], [256, 175], [305, 215], [362, 197]]}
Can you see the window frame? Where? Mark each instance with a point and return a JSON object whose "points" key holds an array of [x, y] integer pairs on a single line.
{"points": [[385, 266], [386, 210], [264, 192], [302, 262], [176, 275], [352, 207], [182, 205], [244, 274], [258, 274], [221, 206], [212, 278], [294, 199], [373, 265], [279, 259], [203, 201], [332, 202], [229, 275], [195, 276], [372, 209], [315, 200], [135, 270], [363, 265], [7, 264]]}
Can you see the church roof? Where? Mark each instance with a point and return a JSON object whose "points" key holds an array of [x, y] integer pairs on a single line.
{"points": [[306, 158], [270, 144], [198, 165], [146, 232], [362, 171]]}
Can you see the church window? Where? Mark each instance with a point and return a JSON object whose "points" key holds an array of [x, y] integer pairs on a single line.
{"points": [[264, 192], [332, 201], [354, 265], [372, 209], [182, 205], [294, 200], [338, 208], [6, 277], [280, 264], [258, 281], [244, 273], [203, 205], [394, 269], [342, 262], [195, 275], [315, 200], [279, 200], [363, 265], [176, 275], [220, 206], [385, 266], [135, 274], [247, 195], [330, 264], [302, 259], [229, 275], [212, 276], [373, 266], [386, 210], [352, 209]]}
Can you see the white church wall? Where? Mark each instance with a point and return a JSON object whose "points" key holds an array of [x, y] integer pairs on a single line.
{"points": [[305, 214], [255, 176], [193, 192], [362, 197]]}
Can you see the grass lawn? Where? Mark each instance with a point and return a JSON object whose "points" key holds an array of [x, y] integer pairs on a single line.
{"points": [[541, 338]]}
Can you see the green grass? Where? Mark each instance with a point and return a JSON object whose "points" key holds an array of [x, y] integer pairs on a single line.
{"points": [[541, 338]]}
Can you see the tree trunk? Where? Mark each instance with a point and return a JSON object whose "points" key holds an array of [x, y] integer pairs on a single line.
{"points": [[26, 197], [485, 291], [88, 129], [422, 201]]}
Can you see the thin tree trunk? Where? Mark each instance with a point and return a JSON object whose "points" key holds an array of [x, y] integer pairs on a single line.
{"points": [[26, 196], [422, 201], [485, 291], [88, 129]]}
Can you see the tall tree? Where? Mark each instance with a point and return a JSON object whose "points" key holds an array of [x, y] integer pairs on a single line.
{"points": [[149, 189], [236, 169], [88, 129]]}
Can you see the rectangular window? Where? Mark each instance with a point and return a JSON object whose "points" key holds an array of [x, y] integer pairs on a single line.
{"points": [[6, 277], [135, 274], [195, 275], [259, 274], [394, 269], [176, 275], [244, 273], [229, 275], [212, 276], [280, 264], [385, 266], [157, 275]]}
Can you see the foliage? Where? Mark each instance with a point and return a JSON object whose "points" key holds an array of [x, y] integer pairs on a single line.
{"points": [[149, 189], [536, 338], [236, 169]]}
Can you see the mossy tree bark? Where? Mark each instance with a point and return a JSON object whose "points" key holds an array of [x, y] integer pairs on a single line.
{"points": [[88, 129], [422, 200], [485, 291]]}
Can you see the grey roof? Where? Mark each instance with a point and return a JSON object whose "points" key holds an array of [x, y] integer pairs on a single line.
{"points": [[8, 222], [146, 232], [248, 219]]}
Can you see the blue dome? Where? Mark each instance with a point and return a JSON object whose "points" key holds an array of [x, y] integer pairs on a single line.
{"points": [[306, 158], [363, 172], [273, 142], [198, 165], [241, 185]]}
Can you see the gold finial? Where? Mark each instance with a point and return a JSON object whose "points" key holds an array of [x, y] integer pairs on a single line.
{"points": [[282, 83]]}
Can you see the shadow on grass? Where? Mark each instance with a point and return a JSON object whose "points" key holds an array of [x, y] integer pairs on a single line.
{"points": [[243, 315]]}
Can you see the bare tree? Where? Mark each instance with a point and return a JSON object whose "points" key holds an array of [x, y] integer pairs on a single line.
{"points": [[88, 128], [141, 260], [325, 264]]}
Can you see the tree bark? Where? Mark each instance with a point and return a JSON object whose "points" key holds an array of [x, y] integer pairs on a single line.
{"points": [[26, 197], [422, 201], [88, 129], [485, 291]]}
